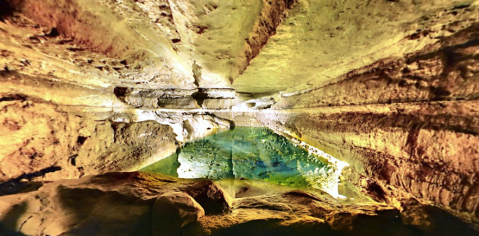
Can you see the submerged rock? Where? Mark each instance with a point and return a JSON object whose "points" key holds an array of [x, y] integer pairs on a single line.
{"points": [[251, 153]]}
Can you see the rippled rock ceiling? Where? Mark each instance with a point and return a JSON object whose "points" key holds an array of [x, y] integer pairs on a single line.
{"points": [[391, 87]]}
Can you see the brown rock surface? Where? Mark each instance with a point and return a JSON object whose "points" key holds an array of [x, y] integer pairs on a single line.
{"points": [[408, 124], [211, 196], [94, 86], [151, 204], [42, 141], [172, 211]]}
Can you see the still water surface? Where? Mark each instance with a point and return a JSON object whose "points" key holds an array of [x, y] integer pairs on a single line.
{"points": [[248, 153]]}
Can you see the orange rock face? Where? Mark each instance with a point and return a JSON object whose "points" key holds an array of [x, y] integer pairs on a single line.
{"points": [[96, 86], [408, 124]]}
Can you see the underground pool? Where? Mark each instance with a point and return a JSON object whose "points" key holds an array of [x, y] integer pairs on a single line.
{"points": [[250, 153]]}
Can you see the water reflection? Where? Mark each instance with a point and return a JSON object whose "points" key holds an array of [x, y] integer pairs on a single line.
{"points": [[249, 153]]}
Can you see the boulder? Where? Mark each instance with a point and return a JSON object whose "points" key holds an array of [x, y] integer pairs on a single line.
{"points": [[172, 211], [210, 196]]}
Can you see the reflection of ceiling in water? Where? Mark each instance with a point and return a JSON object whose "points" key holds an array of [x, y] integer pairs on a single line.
{"points": [[249, 153]]}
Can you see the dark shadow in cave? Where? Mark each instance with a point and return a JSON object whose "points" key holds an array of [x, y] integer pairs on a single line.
{"points": [[199, 96], [10, 220], [127, 214], [17, 185], [120, 93], [13, 97], [445, 224], [6, 10]]}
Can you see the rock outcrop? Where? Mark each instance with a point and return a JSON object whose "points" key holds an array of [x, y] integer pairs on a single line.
{"points": [[407, 124], [172, 211], [89, 87], [150, 204]]}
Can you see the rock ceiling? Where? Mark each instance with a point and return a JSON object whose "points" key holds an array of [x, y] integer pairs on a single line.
{"points": [[252, 46], [388, 86]]}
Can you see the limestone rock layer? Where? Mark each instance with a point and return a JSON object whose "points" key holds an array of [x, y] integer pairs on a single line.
{"points": [[89, 87]]}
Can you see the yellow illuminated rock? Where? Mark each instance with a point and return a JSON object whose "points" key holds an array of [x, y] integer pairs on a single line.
{"points": [[386, 90]]}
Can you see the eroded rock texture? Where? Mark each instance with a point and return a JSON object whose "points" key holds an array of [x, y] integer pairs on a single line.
{"points": [[94, 86], [150, 204], [409, 124]]}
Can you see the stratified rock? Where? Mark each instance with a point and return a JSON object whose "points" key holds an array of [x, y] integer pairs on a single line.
{"points": [[388, 86], [125, 146], [407, 126], [218, 103], [218, 98], [172, 211], [159, 98]]}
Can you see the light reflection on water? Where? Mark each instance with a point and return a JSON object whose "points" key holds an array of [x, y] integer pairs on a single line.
{"points": [[249, 153]]}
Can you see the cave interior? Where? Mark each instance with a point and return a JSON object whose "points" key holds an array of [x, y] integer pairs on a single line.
{"points": [[239, 117]]}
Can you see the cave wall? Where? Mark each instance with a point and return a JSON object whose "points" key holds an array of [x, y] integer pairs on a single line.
{"points": [[408, 125], [79, 80], [41, 141], [390, 87]]}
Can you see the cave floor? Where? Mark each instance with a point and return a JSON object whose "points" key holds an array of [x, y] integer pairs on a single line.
{"points": [[138, 203]]}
